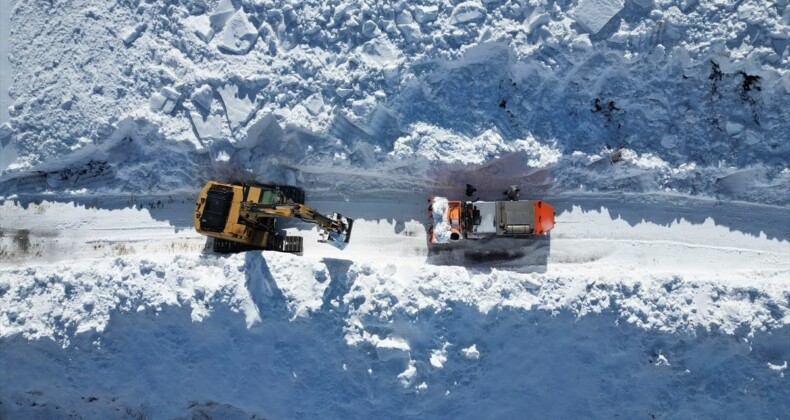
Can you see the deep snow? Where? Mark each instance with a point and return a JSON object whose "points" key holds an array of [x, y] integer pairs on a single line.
{"points": [[5, 64], [658, 130]]}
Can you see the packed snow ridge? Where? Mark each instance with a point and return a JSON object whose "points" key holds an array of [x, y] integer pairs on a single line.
{"points": [[692, 95]]}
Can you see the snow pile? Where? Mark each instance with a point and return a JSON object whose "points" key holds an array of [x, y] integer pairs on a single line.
{"points": [[441, 224], [362, 87]]}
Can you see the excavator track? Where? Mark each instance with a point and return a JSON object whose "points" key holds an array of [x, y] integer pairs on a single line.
{"points": [[292, 244], [222, 246]]}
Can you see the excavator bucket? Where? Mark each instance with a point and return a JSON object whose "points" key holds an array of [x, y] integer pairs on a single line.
{"points": [[342, 235]]}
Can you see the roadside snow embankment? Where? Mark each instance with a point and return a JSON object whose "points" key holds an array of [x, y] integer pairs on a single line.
{"points": [[362, 90]]}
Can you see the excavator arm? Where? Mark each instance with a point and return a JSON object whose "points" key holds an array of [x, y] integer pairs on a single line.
{"points": [[336, 228]]}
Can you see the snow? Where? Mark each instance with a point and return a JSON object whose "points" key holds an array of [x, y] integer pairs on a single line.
{"points": [[5, 64], [593, 15], [439, 358], [239, 109], [471, 352], [656, 129], [238, 36], [441, 223]]}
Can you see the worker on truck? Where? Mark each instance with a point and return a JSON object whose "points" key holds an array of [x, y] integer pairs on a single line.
{"points": [[512, 192]]}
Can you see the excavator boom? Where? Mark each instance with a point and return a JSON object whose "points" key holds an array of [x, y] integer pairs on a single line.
{"points": [[337, 227]]}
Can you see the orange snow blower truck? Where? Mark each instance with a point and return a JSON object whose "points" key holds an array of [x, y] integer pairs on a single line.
{"points": [[454, 221]]}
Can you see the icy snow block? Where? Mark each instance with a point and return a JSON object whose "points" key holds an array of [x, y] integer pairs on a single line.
{"points": [[471, 352], [750, 137], [157, 101], [264, 130], [221, 14], [170, 93], [733, 128], [168, 107], [314, 104], [5, 134], [132, 34], [165, 100], [369, 29], [467, 12], [239, 35], [201, 27], [593, 15], [239, 110], [392, 348], [209, 128], [411, 32], [538, 21], [425, 14], [203, 97]]}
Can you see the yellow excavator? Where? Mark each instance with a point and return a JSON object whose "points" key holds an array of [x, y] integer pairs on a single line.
{"points": [[241, 217]]}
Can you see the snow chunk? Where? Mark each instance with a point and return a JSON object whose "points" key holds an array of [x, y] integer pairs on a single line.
{"points": [[303, 281], [778, 368], [438, 358], [239, 110], [221, 15], [157, 101], [593, 15], [466, 12], [392, 348], [471, 352], [538, 21], [239, 35], [264, 130], [749, 137], [5, 133], [370, 29], [132, 34], [441, 223], [661, 360], [203, 97], [170, 93], [201, 27], [407, 376], [209, 128], [425, 14], [314, 104], [733, 128], [380, 54], [165, 100]]}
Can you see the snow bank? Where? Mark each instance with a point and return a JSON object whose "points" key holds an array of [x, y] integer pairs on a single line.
{"points": [[366, 89]]}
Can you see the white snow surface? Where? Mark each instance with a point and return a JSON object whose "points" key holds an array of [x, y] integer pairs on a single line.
{"points": [[593, 15], [657, 129], [441, 223]]}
